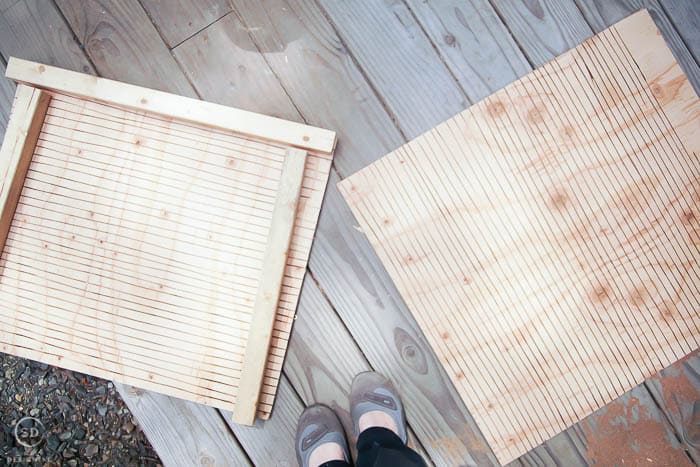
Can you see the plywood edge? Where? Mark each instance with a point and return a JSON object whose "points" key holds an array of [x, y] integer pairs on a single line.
{"points": [[667, 83], [267, 297], [162, 103], [23, 130]]}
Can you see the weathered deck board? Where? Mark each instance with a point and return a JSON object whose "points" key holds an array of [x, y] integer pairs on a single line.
{"points": [[685, 17], [123, 44], [601, 14], [395, 55], [474, 43], [178, 20], [35, 30], [347, 273], [183, 433], [677, 390], [271, 442], [7, 92], [543, 29], [247, 82]]}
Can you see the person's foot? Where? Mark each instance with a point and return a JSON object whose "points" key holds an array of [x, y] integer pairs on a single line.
{"points": [[374, 402], [320, 437]]}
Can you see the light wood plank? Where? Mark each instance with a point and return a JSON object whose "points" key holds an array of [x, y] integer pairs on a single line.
{"points": [[183, 433], [172, 106], [601, 15], [417, 235], [270, 283], [121, 41], [474, 42], [544, 29], [178, 20], [35, 30], [396, 56], [28, 113]]}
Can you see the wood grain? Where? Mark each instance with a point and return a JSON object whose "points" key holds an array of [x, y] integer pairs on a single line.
{"points": [[29, 110], [35, 30], [581, 222], [183, 433], [117, 242], [178, 20], [474, 43], [121, 41], [544, 29], [267, 296]]}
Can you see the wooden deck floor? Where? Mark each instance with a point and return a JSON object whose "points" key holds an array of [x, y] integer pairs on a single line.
{"points": [[379, 72]]}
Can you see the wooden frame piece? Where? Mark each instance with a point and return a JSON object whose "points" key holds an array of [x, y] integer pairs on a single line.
{"points": [[17, 149], [179, 107], [270, 284]]}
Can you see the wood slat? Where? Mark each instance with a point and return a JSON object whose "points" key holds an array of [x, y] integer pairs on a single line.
{"points": [[601, 15], [395, 55], [544, 29], [474, 43], [121, 41], [270, 285], [177, 20], [411, 250], [183, 433], [35, 30]]}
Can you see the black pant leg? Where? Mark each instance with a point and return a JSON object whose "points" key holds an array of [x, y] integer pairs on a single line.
{"points": [[335, 464], [380, 447]]}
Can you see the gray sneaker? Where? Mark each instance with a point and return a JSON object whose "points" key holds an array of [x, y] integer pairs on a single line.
{"points": [[372, 391], [318, 424]]}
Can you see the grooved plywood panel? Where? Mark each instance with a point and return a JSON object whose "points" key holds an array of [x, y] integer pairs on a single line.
{"points": [[136, 250], [546, 239]]}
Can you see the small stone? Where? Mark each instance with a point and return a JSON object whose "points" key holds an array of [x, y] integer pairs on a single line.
{"points": [[34, 412], [101, 409], [68, 453], [91, 450], [52, 442], [66, 435], [19, 397], [129, 427], [79, 433], [100, 390]]}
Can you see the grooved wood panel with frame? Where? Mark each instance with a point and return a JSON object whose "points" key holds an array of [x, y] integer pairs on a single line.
{"points": [[546, 239], [153, 239]]}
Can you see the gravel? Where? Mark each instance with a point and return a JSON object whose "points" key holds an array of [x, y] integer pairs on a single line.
{"points": [[77, 420]]}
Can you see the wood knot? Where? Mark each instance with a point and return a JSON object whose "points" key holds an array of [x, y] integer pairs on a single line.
{"points": [[445, 335], [144, 101], [449, 39], [495, 109], [600, 293], [466, 281], [638, 296], [688, 217], [559, 199], [535, 115], [41, 68], [306, 138]]}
